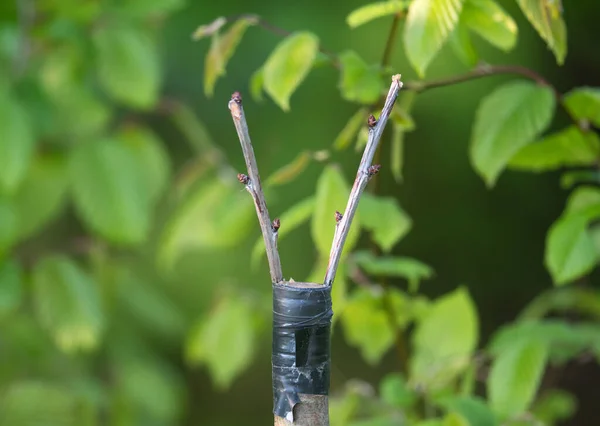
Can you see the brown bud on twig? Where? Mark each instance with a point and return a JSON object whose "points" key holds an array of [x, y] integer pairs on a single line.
{"points": [[276, 225], [372, 121], [338, 216], [243, 178], [374, 169], [237, 97]]}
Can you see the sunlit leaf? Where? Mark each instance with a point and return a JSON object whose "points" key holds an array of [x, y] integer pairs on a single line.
{"points": [[359, 82], [109, 191], [509, 118], [461, 44], [584, 201], [331, 195], [372, 11], [288, 65], [397, 151], [348, 133], [218, 215], [223, 341], [474, 410], [490, 21], [16, 143], [385, 219], [11, 287], [221, 50], [568, 147], [444, 340], [515, 376], [290, 171], [257, 82], [67, 303], [291, 219], [429, 23], [454, 419], [128, 65], [402, 267], [584, 301], [584, 104], [546, 18], [206, 30], [395, 391]]}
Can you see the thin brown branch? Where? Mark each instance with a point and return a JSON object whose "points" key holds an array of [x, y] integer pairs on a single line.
{"points": [[365, 171], [253, 186]]}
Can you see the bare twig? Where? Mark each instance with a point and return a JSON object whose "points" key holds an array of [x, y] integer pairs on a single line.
{"points": [[253, 186], [365, 172]]}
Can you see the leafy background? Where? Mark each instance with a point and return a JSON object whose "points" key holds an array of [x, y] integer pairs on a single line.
{"points": [[132, 289]]}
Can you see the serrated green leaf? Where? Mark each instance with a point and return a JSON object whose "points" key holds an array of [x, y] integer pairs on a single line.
{"points": [[290, 171], [128, 66], [11, 287], [508, 119], [395, 391], [359, 82], [109, 191], [216, 215], [429, 23], [288, 65], [367, 325], [515, 376], [291, 219], [16, 143], [444, 340], [584, 104], [546, 18], [372, 11], [570, 251], [331, 195], [397, 151], [257, 82], [344, 138], [42, 195], [221, 50], [490, 21], [385, 219], [461, 44], [224, 340], [152, 156], [67, 304], [568, 147], [473, 409]]}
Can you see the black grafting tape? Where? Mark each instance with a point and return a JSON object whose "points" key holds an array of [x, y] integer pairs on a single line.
{"points": [[301, 344]]}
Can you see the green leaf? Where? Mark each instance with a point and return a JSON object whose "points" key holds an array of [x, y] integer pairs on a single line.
{"points": [[461, 44], [331, 195], [583, 103], [288, 65], [584, 201], [490, 21], [454, 419], [386, 220], [403, 267], [372, 11], [575, 177], [474, 410], [42, 195], [444, 340], [290, 171], [152, 156], [291, 219], [217, 215], [395, 391], [429, 23], [515, 376], [563, 300], [67, 304], [33, 403], [568, 147], [344, 138], [397, 151], [11, 283], [221, 50], [109, 191], [257, 82], [367, 325], [570, 251], [546, 18], [128, 65], [9, 225], [508, 119], [359, 82], [224, 340], [554, 406], [16, 144]]}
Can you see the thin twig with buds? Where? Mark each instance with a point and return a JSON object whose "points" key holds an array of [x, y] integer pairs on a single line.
{"points": [[365, 172], [252, 183]]}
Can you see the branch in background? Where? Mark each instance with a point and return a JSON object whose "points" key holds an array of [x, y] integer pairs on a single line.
{"points": [[365, 172], [252, 182]]}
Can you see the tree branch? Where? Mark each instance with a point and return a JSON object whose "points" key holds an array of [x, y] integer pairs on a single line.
{"points": [[252, 183], [365, 172]]}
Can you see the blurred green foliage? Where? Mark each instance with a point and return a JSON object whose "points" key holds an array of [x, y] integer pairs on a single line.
{"points": [[126, 241]]}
